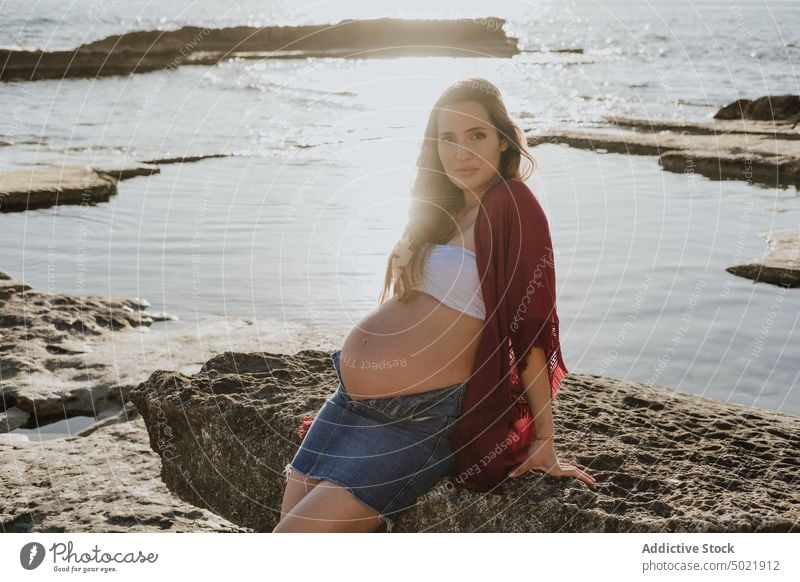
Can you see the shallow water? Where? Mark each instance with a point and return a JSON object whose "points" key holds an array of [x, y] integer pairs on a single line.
{"points": [[68, 427]]}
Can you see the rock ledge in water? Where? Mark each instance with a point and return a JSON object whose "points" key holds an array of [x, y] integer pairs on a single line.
{"points": [[781, 266]]}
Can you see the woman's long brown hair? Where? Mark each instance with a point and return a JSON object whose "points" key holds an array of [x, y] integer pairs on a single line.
{"points": [[436, 201]]}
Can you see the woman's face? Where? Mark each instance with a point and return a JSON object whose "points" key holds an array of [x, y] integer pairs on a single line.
{"points": [[469, 146]]}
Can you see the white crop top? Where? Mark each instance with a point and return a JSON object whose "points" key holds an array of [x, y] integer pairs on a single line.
{"points": [[451, 276]]}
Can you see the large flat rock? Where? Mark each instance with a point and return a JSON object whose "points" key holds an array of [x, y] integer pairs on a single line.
{"points": [[44, 187], [665, 461], [143, 51]]}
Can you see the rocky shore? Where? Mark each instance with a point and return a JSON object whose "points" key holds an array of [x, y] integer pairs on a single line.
{"points": [[49, 366], [143, 51], [64, 356], [665, 461], [200, 443], [56, 361], [107, 481]]}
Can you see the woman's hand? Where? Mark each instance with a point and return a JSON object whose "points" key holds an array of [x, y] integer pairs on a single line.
{"points": [[542, 457]]}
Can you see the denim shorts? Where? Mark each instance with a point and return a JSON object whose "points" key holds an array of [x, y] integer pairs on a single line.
{"points": [[386, 451]]}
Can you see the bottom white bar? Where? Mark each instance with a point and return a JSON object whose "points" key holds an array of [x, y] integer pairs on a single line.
{"points": [[419, 557]]}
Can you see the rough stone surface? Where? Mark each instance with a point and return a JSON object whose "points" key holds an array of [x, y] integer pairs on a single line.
{"points": [[664, 460], [49, 365], [781, 266], [106, 482]]}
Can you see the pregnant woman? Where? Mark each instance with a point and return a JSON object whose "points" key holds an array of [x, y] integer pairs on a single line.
{"points": [[454, 374]]}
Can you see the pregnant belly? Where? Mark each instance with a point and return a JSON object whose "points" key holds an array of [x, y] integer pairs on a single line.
{"points": [[406, 348]]}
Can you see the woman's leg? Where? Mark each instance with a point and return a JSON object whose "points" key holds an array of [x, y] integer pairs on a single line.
{"points": [[297, 487], [329, 508]]}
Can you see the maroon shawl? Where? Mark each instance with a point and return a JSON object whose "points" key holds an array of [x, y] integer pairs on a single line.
{"points": [[515, 259]]}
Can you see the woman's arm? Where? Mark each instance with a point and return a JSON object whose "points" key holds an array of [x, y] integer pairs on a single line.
{"points": [[537, 391], [542, 454]]}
